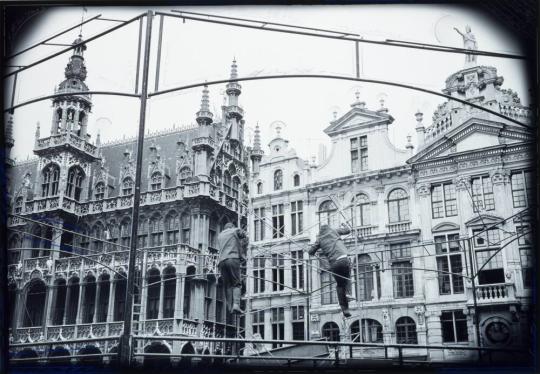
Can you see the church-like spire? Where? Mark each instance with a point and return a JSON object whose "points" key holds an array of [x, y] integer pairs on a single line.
{"points": [[75, 67], [257, 138], [204, 116]]}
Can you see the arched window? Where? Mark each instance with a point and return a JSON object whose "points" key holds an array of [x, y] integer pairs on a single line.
{"points": [[169, 291], [185, 173], [103, 302], [156, 181], [366, 331], [154, 287], [259, 188], [97, 233], [34, 305], [235, 186], [278, 180], [406, 331], [172, 225], [18, 204], [328, 214], [125, 231], [364, 277], [227, 182], [296, 180], [119, 296], [74, 183], [51, 176], [99, 193], [398, 206], [73, 292], [360, 211], [89, 299], [60, 302], [127, 186], [156, 231], [330, 331], [186, 228]]}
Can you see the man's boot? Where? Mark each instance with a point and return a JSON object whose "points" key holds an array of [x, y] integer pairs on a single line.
{"points": [[236, 300], [343, 303]]}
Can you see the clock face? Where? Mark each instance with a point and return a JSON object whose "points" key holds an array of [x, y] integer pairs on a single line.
{"points": [[497, 332]]}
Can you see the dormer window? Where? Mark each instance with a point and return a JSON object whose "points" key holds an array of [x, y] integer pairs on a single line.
{"points": [[100, 191], [278, 180], [74, 183], [127, 186], [157, 181], [359, 154], [51, 175]]}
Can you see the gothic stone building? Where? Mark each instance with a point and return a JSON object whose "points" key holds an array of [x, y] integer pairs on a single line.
{"points": [[411, 214], [76, 197]]}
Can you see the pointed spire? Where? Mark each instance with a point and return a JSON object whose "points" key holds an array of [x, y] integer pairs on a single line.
{"points": [[234, 69], [98, 138], [257, 138], [37, 130], [204, 115], [9, 131]]}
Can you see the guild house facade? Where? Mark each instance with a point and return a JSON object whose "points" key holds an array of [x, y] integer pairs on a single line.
{"points": [[418, 218], [75, 198]]}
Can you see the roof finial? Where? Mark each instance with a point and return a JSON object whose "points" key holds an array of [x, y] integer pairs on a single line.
{"points": [[37, 130], [234, 69], [98, 138], [257, 137]]}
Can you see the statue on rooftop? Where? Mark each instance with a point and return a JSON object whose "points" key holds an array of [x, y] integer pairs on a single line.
{"points": [[469, 42]]}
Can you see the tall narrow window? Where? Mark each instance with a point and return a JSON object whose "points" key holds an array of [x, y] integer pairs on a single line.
{"points": [[297, 217], [449, 261], [169, 291], [443, 200], [297, 321], [97, 233], [258, 322], [60, 302], [402, 272], [156, 181], [143, 232], [73, 301], [360, 211], [328, 289], [119, 296], [220, 295], [406, 331], [454, 327], [18, 204], [278, 180], [258, 274], [297, 270], [398, 206], [99, 193], [296, 180], [364, 278], [89, 299], [278, 272], [487, 244], [525, 254], [227, 182], [259, 188], [156, 231], [172, 225], [278, 325], [328, 214], [359, 154], [33, 307], [482, 194], [127, 186], [125, 232], [154, 286], [278, 221], [74, 183], [235, 186], [51, 176], [103, 299], [259, 223], [186, 228], [212, 232], [522, 188]]}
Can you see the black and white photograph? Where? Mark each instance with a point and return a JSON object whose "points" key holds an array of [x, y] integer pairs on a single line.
{"points": [[294, 187]]}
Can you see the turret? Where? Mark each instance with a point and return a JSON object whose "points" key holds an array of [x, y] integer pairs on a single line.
{"points": [[204, 144], [420, 130], [256, 152], [234, 112]]}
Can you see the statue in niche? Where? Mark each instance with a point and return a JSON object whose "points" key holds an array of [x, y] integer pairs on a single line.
{"points": [[469, 42]]}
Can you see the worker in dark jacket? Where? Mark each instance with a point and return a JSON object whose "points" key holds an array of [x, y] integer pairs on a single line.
{"points": [[334, 251], [232, 243]]}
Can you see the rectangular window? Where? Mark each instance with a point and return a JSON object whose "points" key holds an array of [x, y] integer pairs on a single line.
{"points": [[402, 275], [297, 270], [298, 322], [454, 327], [278, 272], [359, 154], [278, 325], [258, 322], [525, 254], [400, 250], [259, 222], [522, 188], [258, 274], [443, 200], [449, 260], [489, 260], [328, 289], [296, 217], [482, 194], [278, 221]]}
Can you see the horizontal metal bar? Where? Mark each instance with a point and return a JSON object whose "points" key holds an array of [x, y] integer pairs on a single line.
{"points": [[17, 345], [323, 342], [76, 45], [110, 19], [114, 93], [194, 355], [339, 77], [52, 37], [361, 40], [54, 358], [58, 44]]}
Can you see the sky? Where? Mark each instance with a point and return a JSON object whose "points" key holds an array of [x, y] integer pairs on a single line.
{"points": [[193, 52]]}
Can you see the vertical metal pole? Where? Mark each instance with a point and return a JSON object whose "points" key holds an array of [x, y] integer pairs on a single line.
{"points": [[125, 340], [158, 63], [138, 56], [473, 287], [357, 58], [308, 298], [13, 93]]}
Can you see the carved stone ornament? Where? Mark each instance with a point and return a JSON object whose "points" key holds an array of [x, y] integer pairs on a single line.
{"points": [[386, 317], [462, 182], [420, 312], [422, 190], [500, 176]]}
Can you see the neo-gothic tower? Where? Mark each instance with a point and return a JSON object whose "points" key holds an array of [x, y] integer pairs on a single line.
{"points": [[234, 113]]}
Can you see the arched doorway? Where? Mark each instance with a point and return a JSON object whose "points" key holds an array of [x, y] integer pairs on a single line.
{"points": [[90, 350], [35, 300], [60, 352], [186, 349], [157, 361], [26, 353]]}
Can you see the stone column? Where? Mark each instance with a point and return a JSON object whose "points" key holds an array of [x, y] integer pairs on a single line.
{"points": [[268, 326], [76, 118], [84, 125], [54, 124], [48, 307], [110, 307], [66, 302], [463, 196], [381, 211], [96, 300], [161, 289], [144, 291], [288, 322], [386, 275], [433, 325], [64, 118], [82, 291]]}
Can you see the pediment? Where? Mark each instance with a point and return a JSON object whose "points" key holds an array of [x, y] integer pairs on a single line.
{"points": [[357, 118], [445, 226], [484, 220], [473, 135]]}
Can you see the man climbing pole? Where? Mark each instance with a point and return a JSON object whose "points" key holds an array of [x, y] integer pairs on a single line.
{"points": [[333, 249], [232, 243]]}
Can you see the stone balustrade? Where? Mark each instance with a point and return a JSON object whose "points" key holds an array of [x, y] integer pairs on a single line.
{"points": [[67, 138], [398, 227], [495, 293]]}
